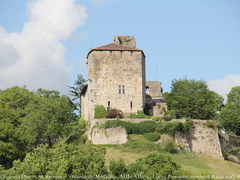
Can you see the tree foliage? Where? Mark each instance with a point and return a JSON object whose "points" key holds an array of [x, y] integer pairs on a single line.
{"points": [[230, 114], [28, 119], [191, 98], [63, 162], [76, 89]]}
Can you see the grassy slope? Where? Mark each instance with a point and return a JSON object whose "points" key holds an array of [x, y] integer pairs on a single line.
{"points": [[195, 163]]}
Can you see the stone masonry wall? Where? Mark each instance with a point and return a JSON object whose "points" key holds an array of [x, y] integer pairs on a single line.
{"points": [[117, 135], [107, 71], [201, 139]]}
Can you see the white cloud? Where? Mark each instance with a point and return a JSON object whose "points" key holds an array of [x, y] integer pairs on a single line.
{"points": [[35, 56], [223, 86], [99, 3]]}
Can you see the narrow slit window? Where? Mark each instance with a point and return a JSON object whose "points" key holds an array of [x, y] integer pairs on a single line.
{"points": [[131, 105], [131, 53], [119, 89], [121, 54]]}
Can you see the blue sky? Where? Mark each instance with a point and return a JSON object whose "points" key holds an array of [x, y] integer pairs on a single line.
{"points": [[44, 43]]}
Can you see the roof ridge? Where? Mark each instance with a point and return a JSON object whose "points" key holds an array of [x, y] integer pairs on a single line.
{"points": [[114, 47]]}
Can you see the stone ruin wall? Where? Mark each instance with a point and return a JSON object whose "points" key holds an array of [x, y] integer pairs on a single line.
{"points": [[199, 139], [229, 143], [117, 135]]}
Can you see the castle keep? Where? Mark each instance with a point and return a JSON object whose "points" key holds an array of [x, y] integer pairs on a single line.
{"points": [[116, 78]]}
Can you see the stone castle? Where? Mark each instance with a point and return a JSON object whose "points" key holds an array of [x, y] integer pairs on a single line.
{"points": [[117, 79]]}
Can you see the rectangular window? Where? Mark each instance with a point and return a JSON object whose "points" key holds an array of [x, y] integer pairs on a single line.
{"points": [[110, 53], [121, 89], [108, 103], [131, 53]]}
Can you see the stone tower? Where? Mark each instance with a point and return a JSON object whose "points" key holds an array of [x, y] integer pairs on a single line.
{"points": [[116, 77]]}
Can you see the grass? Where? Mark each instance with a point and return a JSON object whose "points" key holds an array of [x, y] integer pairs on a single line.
{"points": [[127, 156], [220, 167], [191, 162], [139, 143], [138, 147]]}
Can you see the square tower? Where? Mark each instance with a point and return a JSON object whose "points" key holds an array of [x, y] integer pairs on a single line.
{"points": [[116, 77]]}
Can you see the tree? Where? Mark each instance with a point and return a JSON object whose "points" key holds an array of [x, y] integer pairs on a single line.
{"points": [[191, 98], [155, 165], [13, 102], [62, 162], [28, 119], [47, 115], [230, 114], [76, 89]]}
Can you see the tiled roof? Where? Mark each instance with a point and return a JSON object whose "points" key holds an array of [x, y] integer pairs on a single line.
{"points": [[114, 47]]}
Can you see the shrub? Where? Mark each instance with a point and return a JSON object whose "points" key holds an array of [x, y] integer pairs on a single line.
{"points": [[82, 123], [233, 159], [156, 165], [115, 113], [225, 154], [169, 127], [100, 111], [167, 118], [106, 133], [170, 146], [211, 124], [155, 118], [152, 136], [164, 109], [188, 125], [139, 114], [117, 167], [141, 144], [173, 114]]}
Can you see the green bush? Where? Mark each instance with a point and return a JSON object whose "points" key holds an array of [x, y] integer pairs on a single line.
{"points": [[152, 136], [155, 118], [82, 123], [117, 167], [131, 128], [148, 126], [173, 114], [211, 124], [170, 146], [188, 125], [139, 114], [156, 165], [145, 127], [100, 111], [169, 127], [225, 154], [167, 118], [141, 144]]}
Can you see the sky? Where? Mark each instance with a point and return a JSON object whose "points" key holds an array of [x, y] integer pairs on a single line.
{"points": [[44, 43]]}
